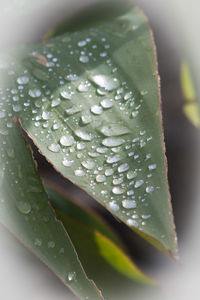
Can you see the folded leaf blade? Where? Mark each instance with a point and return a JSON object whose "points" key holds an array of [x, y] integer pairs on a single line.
{"points": [[92, 106]]}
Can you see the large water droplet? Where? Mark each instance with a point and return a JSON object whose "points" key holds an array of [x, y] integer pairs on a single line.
{"points": [[79, 173], [67, 163], [138, 183], [106, 103], [96, 109], [84, 59], [54, 148], [34, 93], [100, 178], [113, 159], [118, 190], [23, 207], [112, 142], [149, 189], [105, 82], [113, 205], [22, 80], [83, 135], [65, 95], [129, 204], [114, 130], [123, 168], [67, 140], [88, 164], [131, 174]]}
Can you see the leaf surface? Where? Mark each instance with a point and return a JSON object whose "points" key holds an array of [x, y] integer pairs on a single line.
{"points": [[89, 100], [25, 212]]}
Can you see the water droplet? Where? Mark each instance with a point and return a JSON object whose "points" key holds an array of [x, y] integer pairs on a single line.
{"points": [[80, 146], [84, 59], [82, 43], [79, 173], [83, 87], [138, 183], [112, 142], [11, 153], [149, 189], [73, 110], [46, 115], [152, 167], [127, 96], [22, 80], [54, 148], [132, 222], [71, 276], [67, 140], [2, 114], [102, 150], [17, 107], [83, 135], [113, 159], [86, 119], [114, 129], [117, 181], [88, 164], [65, 95], [37, 242], [55, 102], [118, 190], [135, 113], [56, 126], [131, 174], [123, 168], [113, 205], [23, 207], [145, 217], [51, 244], [129, 204], [67, 163], [106, 103], [34, 93], [102, 91], [143, 93], [105, 82], [96, 109], [72, 77], [100, 178], [109, 172]]}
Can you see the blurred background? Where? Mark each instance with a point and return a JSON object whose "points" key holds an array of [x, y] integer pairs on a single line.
{"points": [[176, 27]]}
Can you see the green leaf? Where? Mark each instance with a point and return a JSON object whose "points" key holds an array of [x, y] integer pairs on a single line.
{"points": [[94, 247], [25, 212], [62, 202], [89, 100], [190, 106]]}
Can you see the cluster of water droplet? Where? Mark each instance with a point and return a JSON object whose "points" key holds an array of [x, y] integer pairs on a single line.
{"points": [[86, 119]]}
